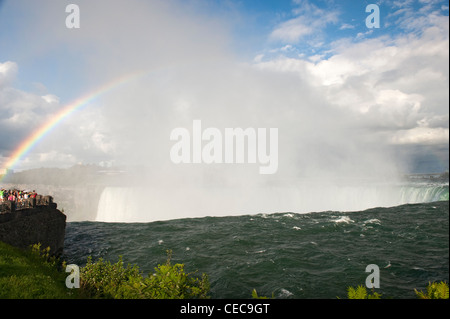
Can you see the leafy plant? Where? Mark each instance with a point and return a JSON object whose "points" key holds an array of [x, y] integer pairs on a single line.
{"points": [[102, 279], [44, 255], [434, 291], [171, 282], [255, 295], [361, 293], [105, 280], [38, 251]]}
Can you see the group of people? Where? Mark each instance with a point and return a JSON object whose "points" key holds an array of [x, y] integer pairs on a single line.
{"points": [[16, 195]]}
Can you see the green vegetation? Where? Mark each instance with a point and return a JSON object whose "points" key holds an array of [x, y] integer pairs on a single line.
{"points": [[434, 291], [361, 293], [105, 280], [30, 275], [33, 274], [255, 295]]}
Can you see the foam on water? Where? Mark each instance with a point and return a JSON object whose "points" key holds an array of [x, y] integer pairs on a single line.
{"points": [[288, 255]]}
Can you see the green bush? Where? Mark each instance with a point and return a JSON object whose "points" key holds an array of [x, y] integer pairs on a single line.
{"points": [[102, 279], [105, 280], [361, 293], [256, 296], [30, 274], [434, 291], [44, 255]]}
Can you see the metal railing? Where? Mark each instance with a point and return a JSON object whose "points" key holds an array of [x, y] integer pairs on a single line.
{"points": [[11, 206]]}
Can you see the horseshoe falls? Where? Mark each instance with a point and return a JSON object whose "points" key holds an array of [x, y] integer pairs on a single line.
{"points": [[128, 204]]}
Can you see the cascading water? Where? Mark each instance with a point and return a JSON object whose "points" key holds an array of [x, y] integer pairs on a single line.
{"points": [[126, 204], [424, 193]]}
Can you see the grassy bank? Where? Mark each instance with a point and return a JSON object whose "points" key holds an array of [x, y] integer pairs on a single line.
{"points": [[25, 275], [30, 274]]}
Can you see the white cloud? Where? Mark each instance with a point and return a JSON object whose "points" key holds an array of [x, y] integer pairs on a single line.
{"points": [[20, 110], [346, 26], [309, 20], [421, 135], [287, 47], [292, 30], [22, 113], [316, 58], [8, 71], [361, 35], [394, 86], [50, 99], [412, 18], [258, 58]]}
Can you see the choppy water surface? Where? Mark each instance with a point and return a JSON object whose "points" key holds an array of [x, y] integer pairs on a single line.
{"points": [[314, 255]]}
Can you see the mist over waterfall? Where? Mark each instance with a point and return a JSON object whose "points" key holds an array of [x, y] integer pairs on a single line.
{"points": [[130, 204], [341, 111]]}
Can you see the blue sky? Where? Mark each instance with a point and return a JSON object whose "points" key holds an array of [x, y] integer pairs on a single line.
{"points": [[312, 60], [253, 26]]}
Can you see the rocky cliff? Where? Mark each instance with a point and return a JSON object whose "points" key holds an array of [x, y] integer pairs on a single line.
{"points": [[43, 224]]}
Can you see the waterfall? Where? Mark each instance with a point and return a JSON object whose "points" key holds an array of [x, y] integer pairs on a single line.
{"points": [[128, 204]]}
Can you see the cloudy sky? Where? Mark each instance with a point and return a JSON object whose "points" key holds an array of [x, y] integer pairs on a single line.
{"points": [[344, 97]]}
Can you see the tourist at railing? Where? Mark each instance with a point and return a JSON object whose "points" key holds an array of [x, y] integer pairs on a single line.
{"points": [[16, 195], [19, 197]]}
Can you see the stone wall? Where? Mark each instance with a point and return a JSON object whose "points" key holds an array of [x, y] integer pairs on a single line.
{"points": [[43, 224]]}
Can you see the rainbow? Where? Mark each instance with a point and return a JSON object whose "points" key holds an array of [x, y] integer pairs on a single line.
{"points": [[27, 144]]}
